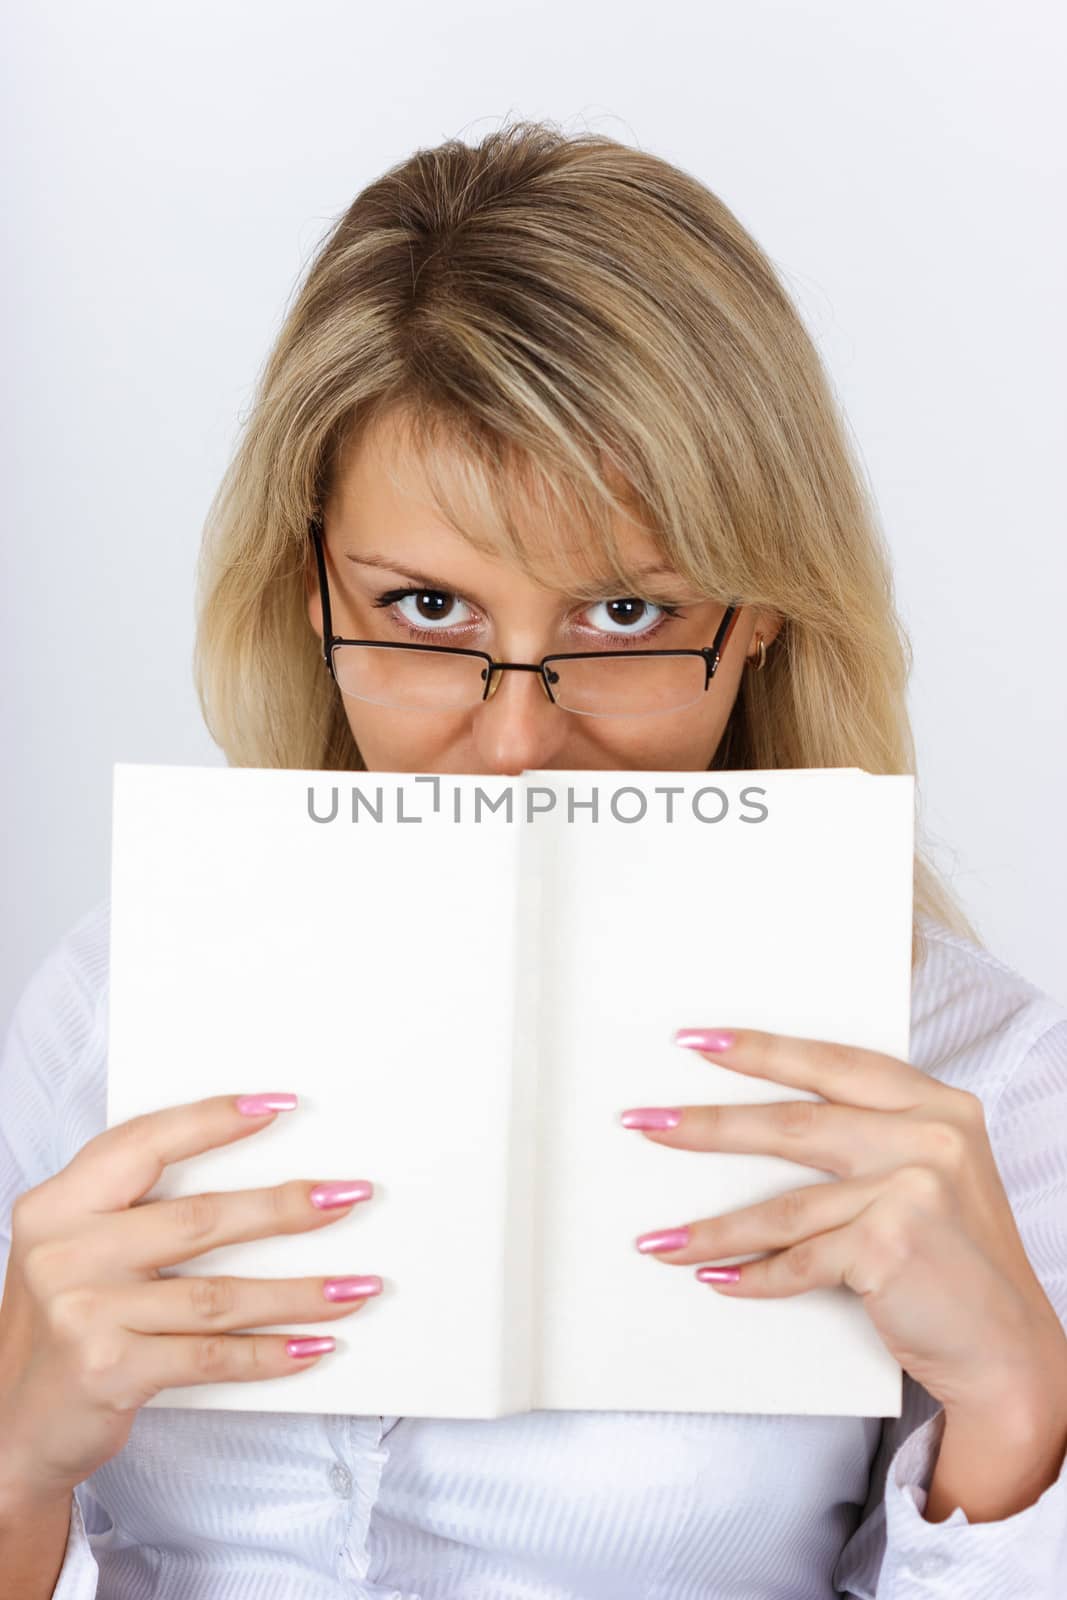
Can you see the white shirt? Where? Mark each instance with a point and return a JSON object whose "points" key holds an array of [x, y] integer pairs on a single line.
{"points": [[558, 1505]]}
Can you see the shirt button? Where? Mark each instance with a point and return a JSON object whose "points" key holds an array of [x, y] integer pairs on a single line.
{"points": [[927, 1564], [340, 1480]]}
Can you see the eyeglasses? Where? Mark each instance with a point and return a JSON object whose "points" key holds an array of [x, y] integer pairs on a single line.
{"points": [[592, 683]]}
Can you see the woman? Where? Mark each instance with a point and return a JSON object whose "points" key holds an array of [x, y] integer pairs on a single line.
{"points": [[543, 395]]}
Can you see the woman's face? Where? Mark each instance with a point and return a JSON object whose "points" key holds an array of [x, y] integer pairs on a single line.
{"points": [[381, 534]]}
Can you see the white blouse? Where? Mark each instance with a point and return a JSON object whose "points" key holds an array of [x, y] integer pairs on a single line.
{"points": [[558, 1505]]}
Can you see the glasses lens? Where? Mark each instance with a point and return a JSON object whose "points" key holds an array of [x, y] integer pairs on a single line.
{"points": [[418, 680], [634, 686]]}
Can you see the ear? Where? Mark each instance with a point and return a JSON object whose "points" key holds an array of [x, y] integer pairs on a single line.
{"points": [[767, 623]]}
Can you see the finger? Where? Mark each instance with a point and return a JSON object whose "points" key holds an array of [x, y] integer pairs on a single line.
{"points": [[135, 1367], [864, 1255], [226, 1304], [118, 1166], [848, 1073], [838, 1139], [772, 1225], [162, 1233]]}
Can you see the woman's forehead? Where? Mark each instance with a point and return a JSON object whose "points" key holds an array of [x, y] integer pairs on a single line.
{"points": [[399, 488]]}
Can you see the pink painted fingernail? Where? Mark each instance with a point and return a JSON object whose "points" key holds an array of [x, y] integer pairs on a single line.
{"points": [[344, 1193], [718, 1274], [300, 1349], [652, 1117], [257, 1105], [666, 1239], [714, 1039], [351, 1288]]}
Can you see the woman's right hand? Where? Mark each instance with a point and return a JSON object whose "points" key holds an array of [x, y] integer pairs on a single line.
{"points": [[89, 1330]]}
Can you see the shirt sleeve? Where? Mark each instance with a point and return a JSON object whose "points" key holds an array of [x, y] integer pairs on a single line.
{"points": [[895, 1554], [79, 1572], [45, 1096]]}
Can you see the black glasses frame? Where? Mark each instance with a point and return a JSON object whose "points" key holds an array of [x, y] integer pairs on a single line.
{"points": [[710, 654]]}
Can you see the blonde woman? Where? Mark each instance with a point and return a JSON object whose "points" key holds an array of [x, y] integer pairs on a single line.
{"points": [[545, 396]]}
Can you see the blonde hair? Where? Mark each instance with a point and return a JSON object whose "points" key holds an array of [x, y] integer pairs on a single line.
{"points": [[569, 315]]}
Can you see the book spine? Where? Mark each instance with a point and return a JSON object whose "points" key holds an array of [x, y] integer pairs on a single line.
{"points": [[519, 1266]]}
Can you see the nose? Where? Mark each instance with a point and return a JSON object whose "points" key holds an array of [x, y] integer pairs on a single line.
{"points": [[518, 726]]}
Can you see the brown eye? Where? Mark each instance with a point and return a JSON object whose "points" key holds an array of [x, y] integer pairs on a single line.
{"points": [[425, 611], [626, 611], [628, 618], [433, 604], [629, 614]]}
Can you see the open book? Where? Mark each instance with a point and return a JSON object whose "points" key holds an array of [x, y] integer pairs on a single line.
{"points": [[466, 979]]}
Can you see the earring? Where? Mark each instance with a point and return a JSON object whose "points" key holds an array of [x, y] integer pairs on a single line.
{"points": [[757, 661]]}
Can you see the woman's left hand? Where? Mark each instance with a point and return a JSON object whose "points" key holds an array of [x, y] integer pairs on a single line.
{"points": [[919, 1224]]}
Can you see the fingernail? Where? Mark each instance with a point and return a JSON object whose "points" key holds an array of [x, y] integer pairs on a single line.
{"points": [[666, 1239], [300, 1349], [351, 1288], [257, 1105], [345, 1193], [652, 1117], [718, 1274], [714, 1039]]}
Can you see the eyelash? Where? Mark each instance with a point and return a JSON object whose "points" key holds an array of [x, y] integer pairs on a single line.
{"points": [[391, 597]]}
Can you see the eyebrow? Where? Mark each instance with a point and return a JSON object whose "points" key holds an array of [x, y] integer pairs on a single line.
{"points": [[606, 588]]}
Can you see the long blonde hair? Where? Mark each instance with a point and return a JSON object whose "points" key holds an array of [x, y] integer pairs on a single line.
{"points": [[568, 314]]}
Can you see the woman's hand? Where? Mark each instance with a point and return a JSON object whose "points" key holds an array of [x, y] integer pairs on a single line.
{"points": [[919, 1224], [89, 1330]]}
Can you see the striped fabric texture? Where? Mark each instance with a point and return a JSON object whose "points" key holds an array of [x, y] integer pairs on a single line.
{"points": [[558, 1505]]}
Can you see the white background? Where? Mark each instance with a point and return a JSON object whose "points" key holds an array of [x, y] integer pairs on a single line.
{"points": [[169, 170]]}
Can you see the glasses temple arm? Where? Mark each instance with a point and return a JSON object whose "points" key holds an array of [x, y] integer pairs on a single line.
{"points": [[324, 589], [714, 651]]}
